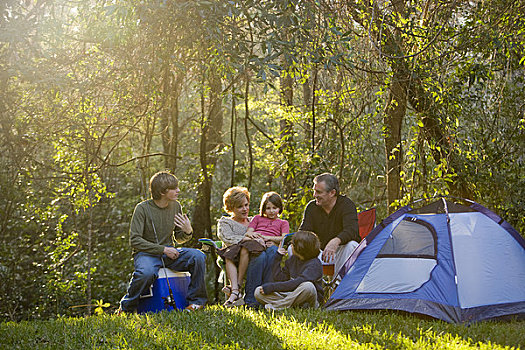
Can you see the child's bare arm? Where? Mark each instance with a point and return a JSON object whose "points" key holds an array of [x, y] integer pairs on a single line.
{"points": [[250, 233], [273, 240]]}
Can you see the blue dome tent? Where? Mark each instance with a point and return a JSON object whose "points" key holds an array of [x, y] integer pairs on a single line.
{"points": [[455, 262]]}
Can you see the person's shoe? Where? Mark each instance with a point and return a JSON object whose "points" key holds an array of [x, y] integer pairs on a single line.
{"points": [[227, 290], [236, 301], [254, 306], [239, 302], [269, 307], [193, 307]]}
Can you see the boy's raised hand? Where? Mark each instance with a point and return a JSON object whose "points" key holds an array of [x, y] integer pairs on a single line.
{"points": [[281, 249], [182, 221]]}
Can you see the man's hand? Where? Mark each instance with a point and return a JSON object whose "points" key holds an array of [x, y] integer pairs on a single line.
{"points": [[171, 252], [182, 221], [330, 249]]}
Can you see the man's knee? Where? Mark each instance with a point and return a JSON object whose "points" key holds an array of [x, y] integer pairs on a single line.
{"points": [[256, 264], [348, 248], [257, 259]]}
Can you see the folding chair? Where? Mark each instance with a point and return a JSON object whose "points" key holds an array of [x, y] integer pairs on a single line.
{"points": [[210, 246], [366, 220]]}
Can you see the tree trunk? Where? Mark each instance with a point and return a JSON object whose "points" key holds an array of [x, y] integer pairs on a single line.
{"points": [[143, 163], [307, 100], [286, 131], [233, 137], [420, 99], [169, 118], [209, 145], [247, 134], [312, 129], [393, 120], [395, 109]]}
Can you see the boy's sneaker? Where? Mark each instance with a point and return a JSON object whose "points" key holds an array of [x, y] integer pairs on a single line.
{"points": [[269, 307], [193, 307]]}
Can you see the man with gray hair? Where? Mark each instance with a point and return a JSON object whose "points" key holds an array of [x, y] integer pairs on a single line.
{"points": [[333, 217]]}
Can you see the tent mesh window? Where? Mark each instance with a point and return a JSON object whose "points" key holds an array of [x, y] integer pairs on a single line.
{"points": [[405, 261], [411, 238]]}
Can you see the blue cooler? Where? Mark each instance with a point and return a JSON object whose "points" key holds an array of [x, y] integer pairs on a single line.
{"points": [[151, 300]]}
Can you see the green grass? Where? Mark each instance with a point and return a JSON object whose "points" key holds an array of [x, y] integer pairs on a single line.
{"points": [[219, 328]]}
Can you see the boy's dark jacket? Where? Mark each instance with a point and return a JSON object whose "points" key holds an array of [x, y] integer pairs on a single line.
{"points": [[295, 272]]}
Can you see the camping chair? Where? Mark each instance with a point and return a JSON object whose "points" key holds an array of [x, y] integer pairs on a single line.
{"points": [[366, 220], [210, 246]]}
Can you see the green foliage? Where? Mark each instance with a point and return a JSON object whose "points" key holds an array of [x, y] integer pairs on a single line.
{"points": [[219, 328], [98, 96]]}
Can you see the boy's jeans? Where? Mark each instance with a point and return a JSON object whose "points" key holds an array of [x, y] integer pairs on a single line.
{"points": [[146, 271]]}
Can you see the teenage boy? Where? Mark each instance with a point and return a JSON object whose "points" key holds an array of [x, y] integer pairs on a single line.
{"points": [[155, 226], [299, 282]]}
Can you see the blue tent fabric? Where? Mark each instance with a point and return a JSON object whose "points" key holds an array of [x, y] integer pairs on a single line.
{"points": [[477, 273], [501, 222]]}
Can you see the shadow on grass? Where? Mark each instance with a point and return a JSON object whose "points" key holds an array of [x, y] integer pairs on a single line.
{"points": [[215, 328], [393, 329], [240, 328]]}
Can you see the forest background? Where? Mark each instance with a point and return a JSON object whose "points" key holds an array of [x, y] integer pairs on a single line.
{"points": [[400, 99]]}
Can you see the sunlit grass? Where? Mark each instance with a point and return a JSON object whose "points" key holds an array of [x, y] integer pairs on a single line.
{"points": [[219, 328]]}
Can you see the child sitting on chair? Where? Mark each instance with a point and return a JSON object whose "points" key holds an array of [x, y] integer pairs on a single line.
{"points": [[299, 282], [267, 228]]}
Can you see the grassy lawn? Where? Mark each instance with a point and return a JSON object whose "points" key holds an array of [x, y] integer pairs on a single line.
{"points": [[219, 328]]}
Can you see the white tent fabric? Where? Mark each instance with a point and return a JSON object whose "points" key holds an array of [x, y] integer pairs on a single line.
{"points": [[490, 266], [396, 275]]}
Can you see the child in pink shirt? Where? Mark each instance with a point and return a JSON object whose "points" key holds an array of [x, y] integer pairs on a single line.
{"points": [[267, 228]]}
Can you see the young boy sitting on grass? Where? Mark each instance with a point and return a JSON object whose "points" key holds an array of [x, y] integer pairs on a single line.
{"points": [[299, 282]]}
